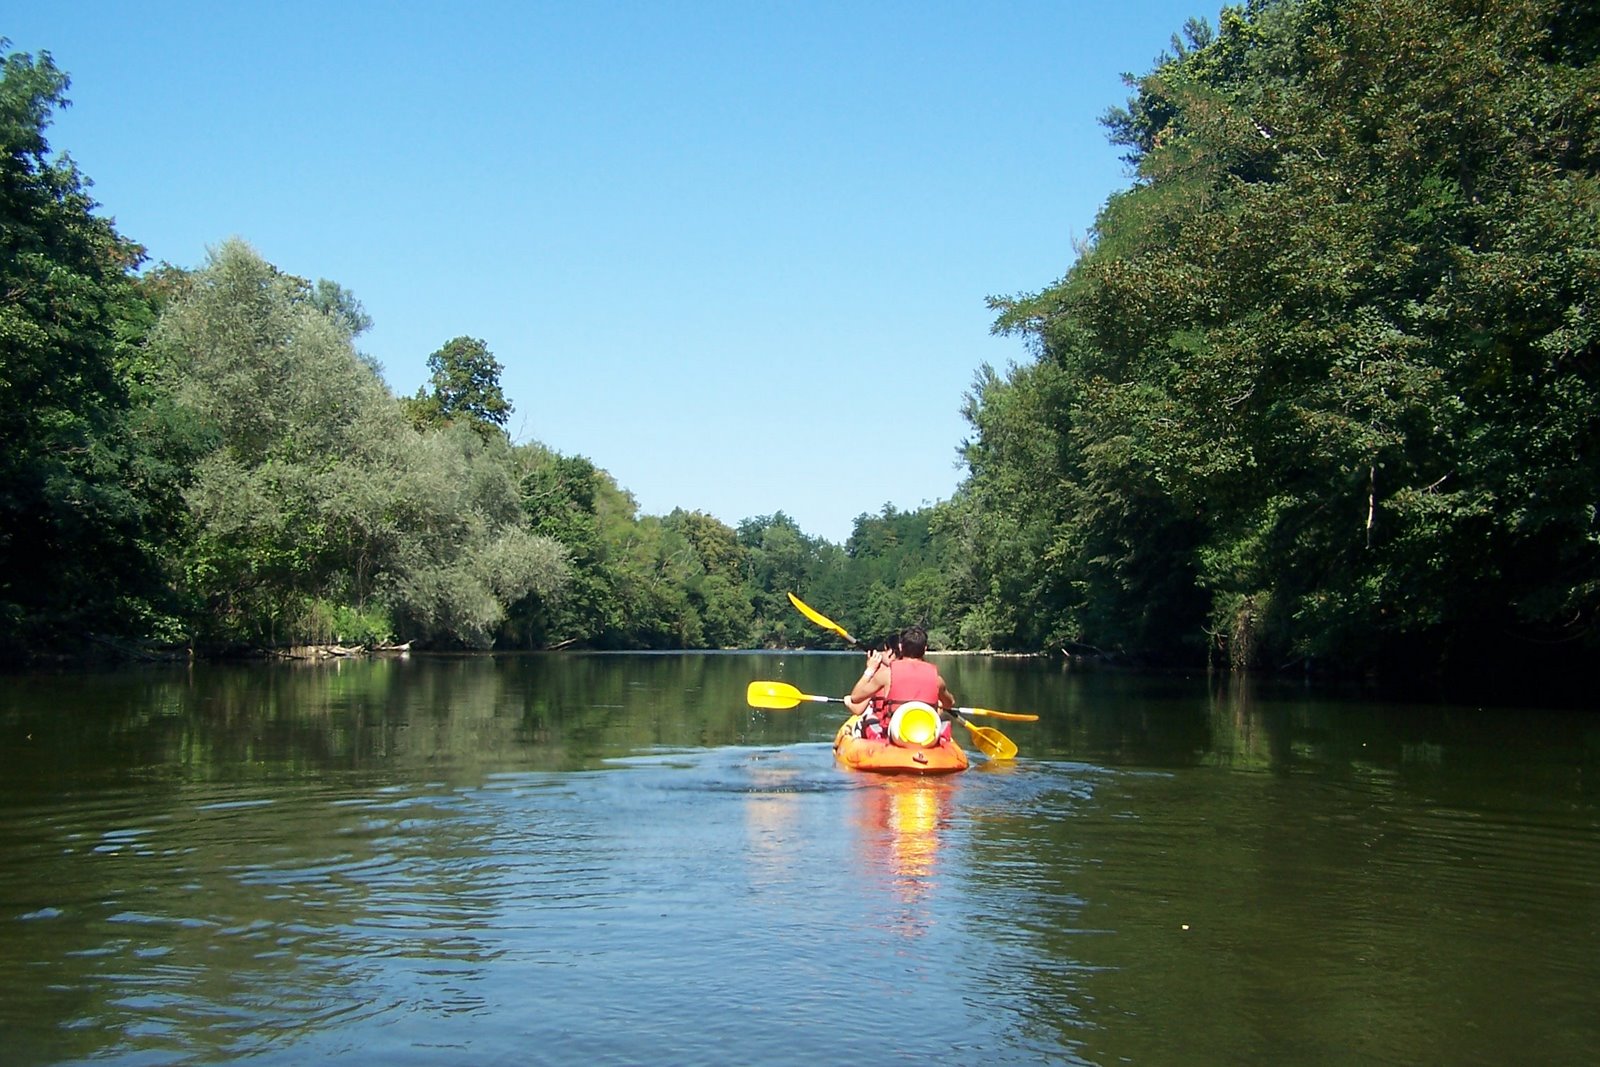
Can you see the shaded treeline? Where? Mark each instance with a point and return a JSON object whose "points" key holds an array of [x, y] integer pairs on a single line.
{"points": [[1319, 388]]}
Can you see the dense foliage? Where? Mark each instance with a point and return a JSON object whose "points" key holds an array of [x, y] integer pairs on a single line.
{"points": [[1320, 388], [83, 502], [1324, 383]]}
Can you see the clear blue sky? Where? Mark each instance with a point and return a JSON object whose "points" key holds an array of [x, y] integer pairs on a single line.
{"points": [[735, 253]]}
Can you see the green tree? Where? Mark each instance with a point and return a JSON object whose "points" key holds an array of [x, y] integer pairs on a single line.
{"points": [[558, 496], [711, 565], [464, 386], [317, 495], [895, 574], [779, 559], [466, 558], [341, 305], [82, 523], [1321, 382]]}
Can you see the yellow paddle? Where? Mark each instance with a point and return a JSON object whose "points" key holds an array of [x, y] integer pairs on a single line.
{"points": [[820, 619], [1009, 716], [781, 695], [990, 742], [784, 695]]}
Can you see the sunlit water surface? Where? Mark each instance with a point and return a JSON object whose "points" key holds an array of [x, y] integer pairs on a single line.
{"points": [[612, 859]]}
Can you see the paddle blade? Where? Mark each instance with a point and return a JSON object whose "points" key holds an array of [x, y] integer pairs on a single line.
{"points": [[1009, 716], [774, 695], [991, 742], [820, 619], [780, 695]]}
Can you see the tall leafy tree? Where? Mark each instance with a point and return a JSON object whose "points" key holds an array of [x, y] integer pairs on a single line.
{"points": [[558, 495], [1330, 363], [781, 558], [464, 386], [80, 528], [897, 573], [340, 305], [711, 562], [317, 494]]}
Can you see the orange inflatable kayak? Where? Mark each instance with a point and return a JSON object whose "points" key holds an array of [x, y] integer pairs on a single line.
{"points": [[886, 757]]}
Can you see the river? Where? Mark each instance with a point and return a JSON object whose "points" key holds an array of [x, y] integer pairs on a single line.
{"points": [[612, 859]]}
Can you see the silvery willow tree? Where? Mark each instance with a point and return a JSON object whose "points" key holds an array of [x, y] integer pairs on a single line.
{"points": [[319, 512]]}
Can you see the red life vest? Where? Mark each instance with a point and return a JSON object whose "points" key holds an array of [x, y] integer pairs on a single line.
{"points": [[912, 679], [874, 718]]}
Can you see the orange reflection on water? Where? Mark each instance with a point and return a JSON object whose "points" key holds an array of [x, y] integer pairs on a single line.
{"points": [[900, 822]]}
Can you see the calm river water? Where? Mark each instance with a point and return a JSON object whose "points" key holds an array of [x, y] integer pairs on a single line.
{"points": [[612, 859]]}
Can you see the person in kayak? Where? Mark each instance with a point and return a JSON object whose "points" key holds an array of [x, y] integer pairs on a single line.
{"points": [[873, 720], [904, 678]]}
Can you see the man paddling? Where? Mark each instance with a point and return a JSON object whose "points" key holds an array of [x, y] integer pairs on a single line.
{"points": [[898, 678]]}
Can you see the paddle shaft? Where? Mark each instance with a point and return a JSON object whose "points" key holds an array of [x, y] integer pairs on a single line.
{"points": [[1009, 716]]}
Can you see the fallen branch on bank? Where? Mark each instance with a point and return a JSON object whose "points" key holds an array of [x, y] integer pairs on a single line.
{"points": [[338, 651]]}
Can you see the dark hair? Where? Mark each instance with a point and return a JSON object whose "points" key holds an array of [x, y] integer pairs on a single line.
{"points": [[889, 643], [913, 642]]}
